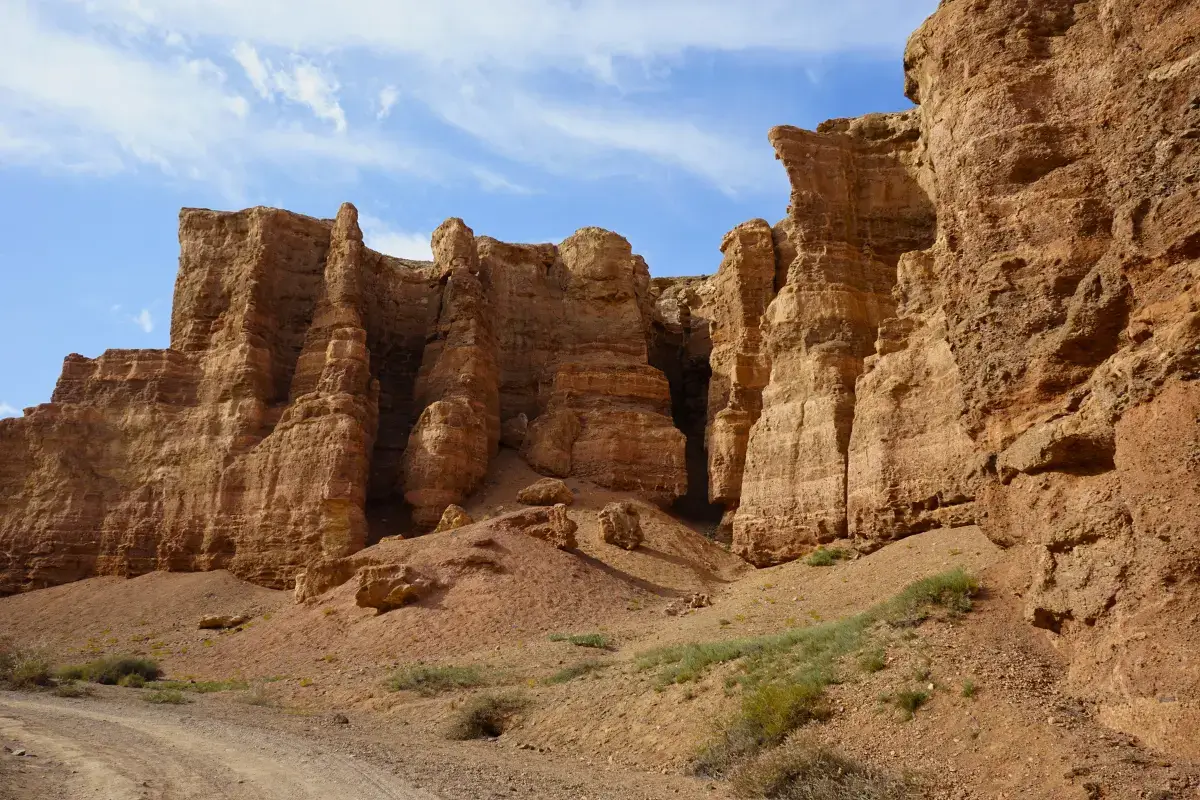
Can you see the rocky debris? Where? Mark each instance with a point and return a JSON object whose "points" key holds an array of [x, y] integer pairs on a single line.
{"points": [[620, 525], [546, 492], [319, 577], [339, 719], [514, 430], [453, 517], [683, 605], [222, 621], [390, 586], [548, 523]]}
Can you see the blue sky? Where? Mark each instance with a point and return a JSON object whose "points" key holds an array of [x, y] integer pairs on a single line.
{"points": [[528, 118]]}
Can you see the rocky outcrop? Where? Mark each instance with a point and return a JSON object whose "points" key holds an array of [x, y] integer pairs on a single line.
{"points": [[248, 445], [390, 586], [453, 518], [741, 291], [546, 492], [855, 208], [621, 525], [548, 523], [459, 430]]}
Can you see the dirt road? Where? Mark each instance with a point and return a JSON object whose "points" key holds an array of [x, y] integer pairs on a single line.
{"points": [[103, 752]]}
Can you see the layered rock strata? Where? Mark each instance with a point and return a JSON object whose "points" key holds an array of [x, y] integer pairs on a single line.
{"points": [[855, 208]]}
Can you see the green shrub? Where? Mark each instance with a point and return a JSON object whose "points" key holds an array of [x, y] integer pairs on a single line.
{"points": [[873, 660], [72, 689], [822, 557], [132, 681], [165, 697], [909, 700], [257, 695], [596, 640], [969, 688], [767, 716], [27, 669], [803, 771], [111, 669], [574, 671], [485, 716], [429, 680], [951, 591]]}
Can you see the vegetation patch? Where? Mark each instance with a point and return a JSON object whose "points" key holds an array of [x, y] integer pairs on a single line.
{"points": [[597, 640], [486, 716], [72, 689], [110, 670], [166, 697], [574, 671], [803, 771], [21, 668], [768, 715], [826, 557], [429, 680], [908, 700], [201, 687]]}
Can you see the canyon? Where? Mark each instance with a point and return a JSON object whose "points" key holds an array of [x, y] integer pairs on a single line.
{"points": [[979, 311]]}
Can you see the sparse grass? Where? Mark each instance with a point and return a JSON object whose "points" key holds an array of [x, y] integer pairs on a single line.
{"points": [[201, 687], [596, 640], [768, 715], [485, 716], [908, 700], [258, 696], [132, 681], [21, 668], [429, 679], [873, 660], [969, 688], [72, 689], [111, 669], [802, 770], [568, 674], [826, 557], [951, 591], [166, 697]]}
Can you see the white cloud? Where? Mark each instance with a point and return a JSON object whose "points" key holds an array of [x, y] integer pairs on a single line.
{"points": [[304, 83], [387, 98], [144, 320], [8, 411], [378, 235]]}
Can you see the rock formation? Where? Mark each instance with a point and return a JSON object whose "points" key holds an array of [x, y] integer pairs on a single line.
{"points": [[546, 492], [621, 525]]}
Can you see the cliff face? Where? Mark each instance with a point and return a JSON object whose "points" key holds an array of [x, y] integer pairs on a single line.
{"points": [[315, 388]]}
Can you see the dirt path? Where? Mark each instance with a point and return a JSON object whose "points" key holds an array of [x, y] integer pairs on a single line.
{"points": [[119, 753]]}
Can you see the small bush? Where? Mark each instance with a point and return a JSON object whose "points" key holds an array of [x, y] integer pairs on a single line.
{"points": [[873, 660], [596, 640], [72, 689], [258, 696], [969, 688], [768, 715], [132, 681], [574, 671], [429, 680], [166, 697], [111, 669], [909, 700], [25, 669], [486, 716], [822, 557], [803, 771]]}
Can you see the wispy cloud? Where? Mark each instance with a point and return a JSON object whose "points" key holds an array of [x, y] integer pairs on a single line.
{"points": [[8, 411], [144, 320], [387, 99], [380, 236], [303, 83]]}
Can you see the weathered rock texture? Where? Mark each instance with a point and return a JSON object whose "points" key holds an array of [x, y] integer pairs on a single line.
{"points": [[621, 525], [855, 208], [315, 392], [546, 492]]}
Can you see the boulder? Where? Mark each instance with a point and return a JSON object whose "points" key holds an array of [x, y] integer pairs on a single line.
{"points": [[547, 447], [620, 525], [513, 431], [546, 492], [683, 605], [453, 517], [390, 586], [548, 523]]}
